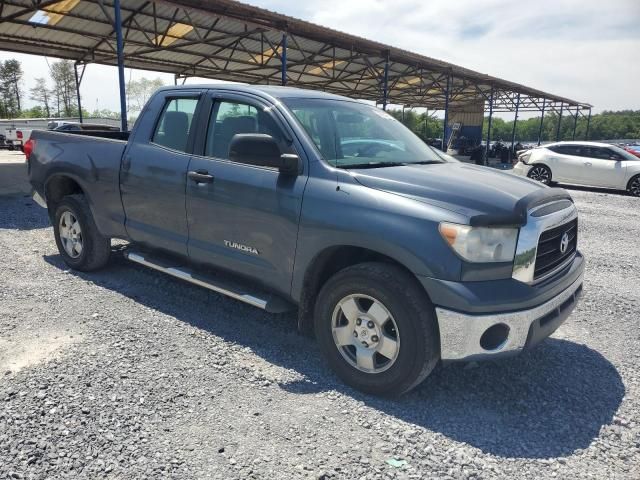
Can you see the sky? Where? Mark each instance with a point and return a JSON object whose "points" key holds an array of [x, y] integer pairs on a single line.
{"points": [[586, 50]]}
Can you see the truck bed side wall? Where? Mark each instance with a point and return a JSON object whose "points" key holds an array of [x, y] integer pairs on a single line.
{"points": [[92, 162]]}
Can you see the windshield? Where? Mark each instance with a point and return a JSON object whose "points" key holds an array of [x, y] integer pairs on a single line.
{"points": [[356, 135]]}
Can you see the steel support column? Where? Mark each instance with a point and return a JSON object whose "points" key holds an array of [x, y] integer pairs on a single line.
{"points": [[426, 116], [515, 121], [544, 104], [385, 85], [120, 52], [446, 114], [486, 153], [75, 73], [586, 135], [284, 59], [559, 122], [575, 123]]}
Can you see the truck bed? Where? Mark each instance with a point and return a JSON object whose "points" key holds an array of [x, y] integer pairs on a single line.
{"points": [[100, 134], [92, 161]]}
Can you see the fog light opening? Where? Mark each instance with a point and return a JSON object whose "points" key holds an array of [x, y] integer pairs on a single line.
{"points": [[494, 337]]}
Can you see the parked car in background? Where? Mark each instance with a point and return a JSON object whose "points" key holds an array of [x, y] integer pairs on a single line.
{"points": [[85, 127], [396, 257], [582, 163], [53, 124], [17, 137], [633, 150]]}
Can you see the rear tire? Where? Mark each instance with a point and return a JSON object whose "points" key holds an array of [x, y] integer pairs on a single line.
{"points": [[377, 328], [634, 186], [79, 242], [540, 173]]}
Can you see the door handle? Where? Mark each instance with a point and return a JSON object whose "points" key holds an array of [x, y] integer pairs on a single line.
{"points": [[200, 176], [588, 164]]}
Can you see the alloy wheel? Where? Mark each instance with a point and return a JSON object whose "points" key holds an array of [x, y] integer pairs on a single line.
{"points": [[365, 333], [70, 234], [540, 174]]}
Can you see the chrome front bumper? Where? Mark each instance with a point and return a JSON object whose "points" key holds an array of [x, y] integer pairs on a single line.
{"points": [[461, 334]]}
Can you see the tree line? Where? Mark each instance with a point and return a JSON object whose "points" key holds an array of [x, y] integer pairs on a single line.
{"points": [[55, 95], [608, 125]]}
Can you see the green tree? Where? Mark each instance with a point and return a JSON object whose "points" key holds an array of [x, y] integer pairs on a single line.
{"points": [[105, 113], [34, 112], [608, 125], [41, 94], [423, 125], [64, 88], [10, 88], [139, 91], [624, 124]]}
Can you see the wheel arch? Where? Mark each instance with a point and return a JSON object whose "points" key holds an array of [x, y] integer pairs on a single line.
{"points": [[633, 177], [327, 263], [631, 180], [60, 185]]}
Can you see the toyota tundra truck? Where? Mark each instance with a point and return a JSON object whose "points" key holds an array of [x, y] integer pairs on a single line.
{"points": [[396, 256]]}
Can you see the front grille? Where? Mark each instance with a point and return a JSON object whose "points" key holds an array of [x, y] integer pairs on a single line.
{"points": [[549, 256]]}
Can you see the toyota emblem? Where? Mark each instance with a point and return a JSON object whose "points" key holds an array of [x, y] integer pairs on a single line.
{"points": [[564, 242]]}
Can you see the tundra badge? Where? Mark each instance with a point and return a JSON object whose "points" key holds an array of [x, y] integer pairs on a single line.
{"points": [[239, 246]]}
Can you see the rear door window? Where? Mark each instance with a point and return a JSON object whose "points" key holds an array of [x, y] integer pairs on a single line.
{"points": [[573, 150], [174, 124], [603, 153]]}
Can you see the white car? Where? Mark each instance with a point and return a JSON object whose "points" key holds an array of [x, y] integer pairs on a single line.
{"points": [[582, 163]]}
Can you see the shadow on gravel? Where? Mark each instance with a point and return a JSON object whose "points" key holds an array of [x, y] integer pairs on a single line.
{"points": [[20, 212], [543, 404]]}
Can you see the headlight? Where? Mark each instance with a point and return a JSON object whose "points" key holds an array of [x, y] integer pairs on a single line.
{"points": [[481, 244]]}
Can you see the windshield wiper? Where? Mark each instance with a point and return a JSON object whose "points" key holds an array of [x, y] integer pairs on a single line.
{"points": [[372, 165], [426, 162]]}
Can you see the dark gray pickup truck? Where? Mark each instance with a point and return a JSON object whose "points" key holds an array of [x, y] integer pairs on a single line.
{"points": [[395, 255]]}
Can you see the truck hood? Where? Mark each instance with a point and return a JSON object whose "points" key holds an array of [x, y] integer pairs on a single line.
{"points": [[470, 190]]}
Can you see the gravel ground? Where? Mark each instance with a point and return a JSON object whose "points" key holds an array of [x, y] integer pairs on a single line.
{"points": [[127, 373]]}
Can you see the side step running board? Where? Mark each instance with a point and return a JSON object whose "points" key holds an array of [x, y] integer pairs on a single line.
{"points": [[266, 301]]}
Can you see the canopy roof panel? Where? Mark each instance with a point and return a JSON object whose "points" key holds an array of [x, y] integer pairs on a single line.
{"points": [[228, 40]]}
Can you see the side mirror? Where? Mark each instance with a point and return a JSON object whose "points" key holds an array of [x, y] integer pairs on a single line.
{"points": [[262, 150]]}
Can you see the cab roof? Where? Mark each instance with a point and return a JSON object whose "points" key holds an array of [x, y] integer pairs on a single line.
{"points": [[274, 91]]}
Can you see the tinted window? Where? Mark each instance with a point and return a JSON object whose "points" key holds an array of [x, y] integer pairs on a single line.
{"points": [[575, 150], [230, 118], [173, 128], [603, 153]]}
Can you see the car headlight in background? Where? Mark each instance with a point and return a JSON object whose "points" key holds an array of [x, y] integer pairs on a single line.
{"points": [[481, 244]]}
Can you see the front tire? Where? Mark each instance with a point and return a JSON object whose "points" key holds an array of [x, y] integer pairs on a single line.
{"points": [[79, 242], [540, 173], [377, 328], [634, 186]]}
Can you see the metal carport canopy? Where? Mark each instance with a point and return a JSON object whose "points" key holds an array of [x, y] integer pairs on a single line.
{"points": [[228, 40]]}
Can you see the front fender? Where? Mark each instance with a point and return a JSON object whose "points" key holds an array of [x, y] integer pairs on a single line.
{"points": [[351, 214]]}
